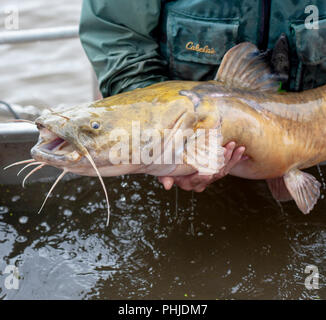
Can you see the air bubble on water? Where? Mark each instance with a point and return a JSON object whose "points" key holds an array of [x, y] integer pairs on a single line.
{"points": [[115, 232], [133, 223], [15, 198], [45, 226], [23, 219], [135, 197], [67, 213], [21, 239], [136, 183], [321, 176], [3, 210]]}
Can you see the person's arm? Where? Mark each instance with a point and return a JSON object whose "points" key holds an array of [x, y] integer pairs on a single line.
{"points": [[119, 40]]}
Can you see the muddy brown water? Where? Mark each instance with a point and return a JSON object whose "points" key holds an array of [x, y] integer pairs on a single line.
{"points": [[232, 241]]}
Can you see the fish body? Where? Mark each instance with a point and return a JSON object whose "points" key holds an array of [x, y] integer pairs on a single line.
{"points": [[283, 132], [280, 131]]}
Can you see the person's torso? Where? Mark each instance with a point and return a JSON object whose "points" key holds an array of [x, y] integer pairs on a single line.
{"points": [[195, 35]]}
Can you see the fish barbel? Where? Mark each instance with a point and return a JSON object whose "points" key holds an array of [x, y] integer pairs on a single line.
{"points": [[283, 132]]}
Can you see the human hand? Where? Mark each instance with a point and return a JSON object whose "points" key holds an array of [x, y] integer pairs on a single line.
{"points": [[197, 182]]}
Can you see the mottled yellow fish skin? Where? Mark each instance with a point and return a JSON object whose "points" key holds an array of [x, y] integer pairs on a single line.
{"points": [[156, 95], [279, 130]]}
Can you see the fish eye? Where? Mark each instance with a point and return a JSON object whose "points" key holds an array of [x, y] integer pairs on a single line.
{"points": [[95, 125]]}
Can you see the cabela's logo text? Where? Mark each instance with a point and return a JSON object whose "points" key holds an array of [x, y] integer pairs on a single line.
{"points": [[191, 46]]}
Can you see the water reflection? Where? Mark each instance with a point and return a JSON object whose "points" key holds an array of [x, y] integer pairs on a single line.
{"points": [[231, 242]]}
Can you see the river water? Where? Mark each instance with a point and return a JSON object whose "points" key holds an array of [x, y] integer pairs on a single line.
{"points": [[232, 241], [46, 73]]}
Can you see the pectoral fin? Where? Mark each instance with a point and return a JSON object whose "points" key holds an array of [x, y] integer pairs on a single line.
{"points": [[304, 188], [204, 151], [278, 189]]}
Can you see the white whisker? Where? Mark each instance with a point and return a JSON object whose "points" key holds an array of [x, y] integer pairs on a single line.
{"points": [[30, 164], [19, 162], [88, 156], [55, 183], [31, 172]]}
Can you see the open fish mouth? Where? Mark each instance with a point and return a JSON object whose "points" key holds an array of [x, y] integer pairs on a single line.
{"points": [[55, 144], [53, 148]]}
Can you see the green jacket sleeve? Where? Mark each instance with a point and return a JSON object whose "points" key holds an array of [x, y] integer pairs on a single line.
{"points": [[118, 38]]}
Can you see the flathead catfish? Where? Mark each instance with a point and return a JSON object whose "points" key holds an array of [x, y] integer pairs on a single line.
{"points": [[283, 132]]}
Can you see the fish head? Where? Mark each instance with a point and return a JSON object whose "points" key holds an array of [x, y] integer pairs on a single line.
{"points": [[68, 136]]}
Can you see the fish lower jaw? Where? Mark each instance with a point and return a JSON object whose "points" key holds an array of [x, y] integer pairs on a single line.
{"points": [[63, 160]]}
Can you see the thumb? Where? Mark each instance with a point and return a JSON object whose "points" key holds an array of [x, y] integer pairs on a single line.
{"points": [[167, 182]]}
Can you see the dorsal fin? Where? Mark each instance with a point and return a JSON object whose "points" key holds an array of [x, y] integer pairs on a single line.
{"points": [[243, 66]]}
